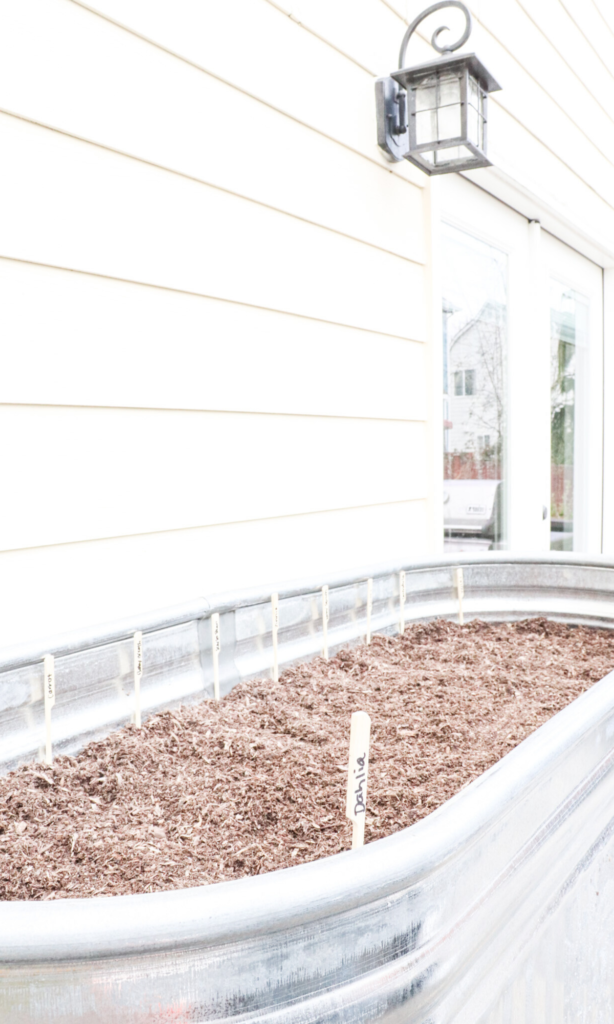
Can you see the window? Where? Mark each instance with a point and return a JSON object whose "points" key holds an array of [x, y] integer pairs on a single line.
{"points": [[568, 339], [464, 382], [475, 399]]}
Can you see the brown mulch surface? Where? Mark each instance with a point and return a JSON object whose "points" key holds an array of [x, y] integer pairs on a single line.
{"points": [[211, 792]]}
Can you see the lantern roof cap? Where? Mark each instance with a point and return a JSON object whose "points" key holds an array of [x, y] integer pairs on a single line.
{"points": [[407, 76]]}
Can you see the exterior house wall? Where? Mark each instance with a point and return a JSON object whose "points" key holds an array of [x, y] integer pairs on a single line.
{"points": [[220, 305], [215, 370]]}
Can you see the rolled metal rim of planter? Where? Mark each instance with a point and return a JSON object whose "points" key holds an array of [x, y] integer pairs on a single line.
{"points": [[520, 836]]}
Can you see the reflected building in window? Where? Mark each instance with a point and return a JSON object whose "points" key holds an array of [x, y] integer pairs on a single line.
{"points": [[475, 393]]}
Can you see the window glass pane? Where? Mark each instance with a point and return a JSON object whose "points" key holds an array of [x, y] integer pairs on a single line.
{"points": [[475, 346], [568, 339]]}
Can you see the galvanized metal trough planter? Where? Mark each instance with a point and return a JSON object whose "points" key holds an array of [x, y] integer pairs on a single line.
{"points": [[498, 907]]}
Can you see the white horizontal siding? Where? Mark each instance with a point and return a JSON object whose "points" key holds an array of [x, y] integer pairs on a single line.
{"points": [[262, 51], [164, 110], [546, 119], [593, 27], [53, 589], [215, 293], [157, 348], [527, 161], [561, 33], [605, 9], [69, 204], [94, 473]]}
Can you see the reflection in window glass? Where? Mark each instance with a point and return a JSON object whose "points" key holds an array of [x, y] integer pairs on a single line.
{"points": [[474, 359], [568, 336]]}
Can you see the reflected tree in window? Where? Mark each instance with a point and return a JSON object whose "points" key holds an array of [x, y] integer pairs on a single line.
{"points": [[475, 391]]}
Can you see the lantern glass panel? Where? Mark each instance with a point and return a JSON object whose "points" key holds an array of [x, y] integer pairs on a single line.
{"points": [[438, 108], [426, 94], [475, 113], [453, 155], [449, 90], [450, 125], [426, 127], [448, 157]]}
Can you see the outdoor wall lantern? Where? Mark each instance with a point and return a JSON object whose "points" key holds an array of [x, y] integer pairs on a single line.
{"points": [[435, 114]]}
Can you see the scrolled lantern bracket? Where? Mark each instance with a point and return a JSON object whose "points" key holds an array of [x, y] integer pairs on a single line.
{"points": [[435, 114]]}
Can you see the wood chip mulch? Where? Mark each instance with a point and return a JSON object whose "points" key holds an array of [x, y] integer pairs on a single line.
{"points": [[211, 792]]}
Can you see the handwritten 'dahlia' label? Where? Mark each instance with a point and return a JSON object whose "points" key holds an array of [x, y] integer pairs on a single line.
{"points": [[358, 765], [275, 611], [49, 686], [360, 783]]}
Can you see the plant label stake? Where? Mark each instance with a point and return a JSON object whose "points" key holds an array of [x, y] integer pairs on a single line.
{"points": [[356, 802], [216, 646], [369, 608], [325, 615], [49, 689], [402, 596], [460, 590], [274, 630], [138, 672]]}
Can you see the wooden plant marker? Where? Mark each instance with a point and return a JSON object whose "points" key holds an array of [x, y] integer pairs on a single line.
{"points": [[138, 672], [216, 646], [274, 631], [460, 590], [369, 608], [402, 596], [325, 616], [356, 801], [49, 693]]}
